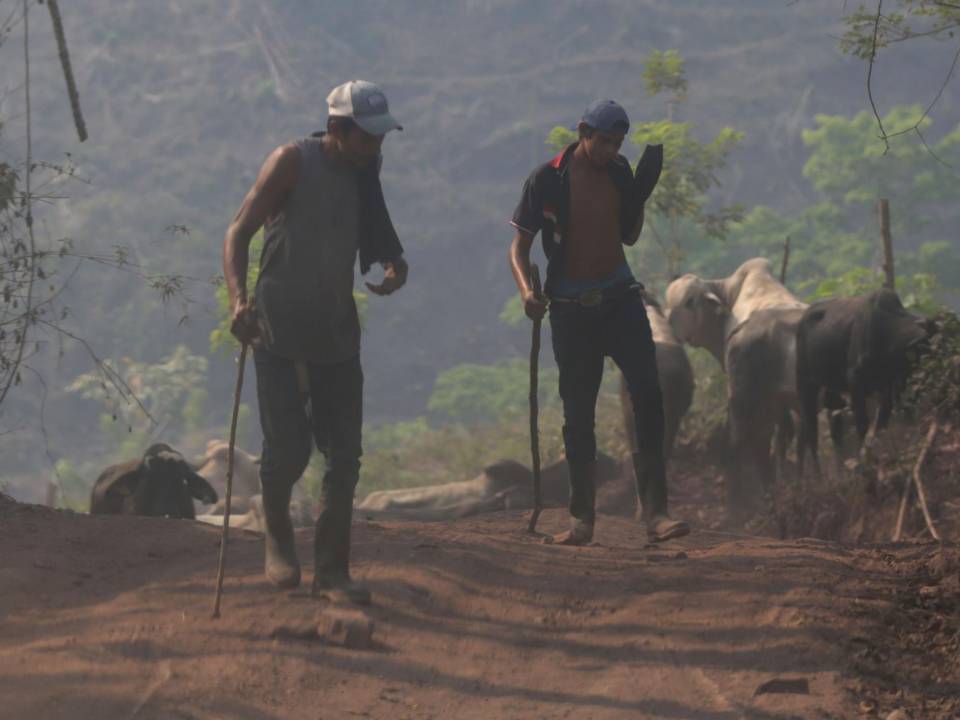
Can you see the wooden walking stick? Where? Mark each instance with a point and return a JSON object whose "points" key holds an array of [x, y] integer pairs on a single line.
{"points": [[534, 406], [226, 509]]}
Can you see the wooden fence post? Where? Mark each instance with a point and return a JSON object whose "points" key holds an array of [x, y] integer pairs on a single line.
{"points": [[887, 243], [785, 261]]}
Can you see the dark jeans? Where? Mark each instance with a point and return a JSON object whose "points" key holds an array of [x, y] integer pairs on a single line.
{"points": [[330, 415], [582, 337]]}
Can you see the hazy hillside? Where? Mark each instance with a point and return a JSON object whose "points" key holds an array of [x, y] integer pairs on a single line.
{"points": [[185, 99]]}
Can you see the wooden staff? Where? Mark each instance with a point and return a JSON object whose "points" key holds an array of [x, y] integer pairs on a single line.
{"points": [[534, 405], [226, 509]]}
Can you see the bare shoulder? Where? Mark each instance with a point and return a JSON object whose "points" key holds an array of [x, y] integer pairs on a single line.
{"points": [[281, 170], [285, 158]]}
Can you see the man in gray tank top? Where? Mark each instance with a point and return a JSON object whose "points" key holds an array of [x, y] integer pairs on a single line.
{"points": [[320, 203]]}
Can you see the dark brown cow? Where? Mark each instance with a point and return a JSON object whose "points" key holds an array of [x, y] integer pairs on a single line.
{"points": [[857, 345], [160, 484]]}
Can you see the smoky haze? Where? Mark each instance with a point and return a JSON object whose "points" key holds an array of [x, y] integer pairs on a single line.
{"points": [[184, 101]]}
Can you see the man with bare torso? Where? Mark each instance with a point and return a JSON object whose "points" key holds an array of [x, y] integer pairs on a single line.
{"points": [[587, 204], [321, 205]]}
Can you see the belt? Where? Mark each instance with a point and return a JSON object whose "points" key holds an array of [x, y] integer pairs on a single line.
{"points": [[592, 298]]}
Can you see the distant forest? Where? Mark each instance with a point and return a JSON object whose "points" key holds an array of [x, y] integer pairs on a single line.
{"points": [[184, 101]]}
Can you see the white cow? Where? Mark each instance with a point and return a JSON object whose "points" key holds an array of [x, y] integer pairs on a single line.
{"points": [[504, 485], [748, 323], [246, 507], [301, 513], [246, 470], [675, 376]]}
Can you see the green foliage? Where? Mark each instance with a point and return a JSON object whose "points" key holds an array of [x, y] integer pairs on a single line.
{"points": [[221, 339], [75, 485], [934, 386], [851, 166], [195, 410], [485, 392], [415, 453], [163, 391], [455, 451], [920, 293], [848, 167], [512, 313], [690, 169], [560, 137], [913, 19], [681, 198], [666, 72]]}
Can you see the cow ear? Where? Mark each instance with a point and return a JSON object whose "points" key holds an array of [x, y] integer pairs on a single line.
{"points": [[199, 488], [715, 303]]}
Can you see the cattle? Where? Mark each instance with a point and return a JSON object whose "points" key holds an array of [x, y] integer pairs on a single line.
{"points": [[251, 515], [748, 323], [159, 484], [857, 345], [246, 471], [675, 376], [503, 485], [245, 493]]}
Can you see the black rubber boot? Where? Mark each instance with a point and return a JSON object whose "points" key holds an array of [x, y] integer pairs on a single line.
{"points": [[583, 492], [331, 578], [281, 565], [652, 499]]}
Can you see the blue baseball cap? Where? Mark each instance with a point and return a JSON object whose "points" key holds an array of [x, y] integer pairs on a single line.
{"points": [[607, 116]]}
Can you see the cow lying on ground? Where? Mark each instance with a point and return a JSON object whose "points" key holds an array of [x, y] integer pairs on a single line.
{"points": [[160, 484], [748, 323], [504, 485], [246, 506], [674, 373], [857, 345], [251, 517]]}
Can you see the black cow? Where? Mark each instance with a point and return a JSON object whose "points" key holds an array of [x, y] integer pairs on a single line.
{"points": [[857, 345], [161, 484]]}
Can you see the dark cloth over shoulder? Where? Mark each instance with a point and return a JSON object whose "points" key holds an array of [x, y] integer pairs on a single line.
{"points": [[378, 241]]}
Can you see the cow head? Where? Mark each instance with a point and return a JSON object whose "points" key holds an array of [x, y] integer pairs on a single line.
{"points": [[167, 482], [246, 468], [697, 314]]}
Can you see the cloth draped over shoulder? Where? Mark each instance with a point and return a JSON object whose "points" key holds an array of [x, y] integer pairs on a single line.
{"points": [[377, 239]]}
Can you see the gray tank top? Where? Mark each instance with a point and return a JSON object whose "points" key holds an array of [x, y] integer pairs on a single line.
{"points": [[305, 289]]}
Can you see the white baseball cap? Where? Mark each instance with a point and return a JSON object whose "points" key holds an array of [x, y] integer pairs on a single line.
{"points": [[365, 103]]}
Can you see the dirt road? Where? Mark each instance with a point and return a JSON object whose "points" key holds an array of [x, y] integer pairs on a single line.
{"points": [[110, 618]]}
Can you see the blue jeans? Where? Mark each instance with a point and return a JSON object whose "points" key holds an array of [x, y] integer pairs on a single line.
{"points": [[582, 337]]}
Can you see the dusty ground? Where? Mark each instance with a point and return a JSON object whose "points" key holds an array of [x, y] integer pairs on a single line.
{"points": [[104, 617]]}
